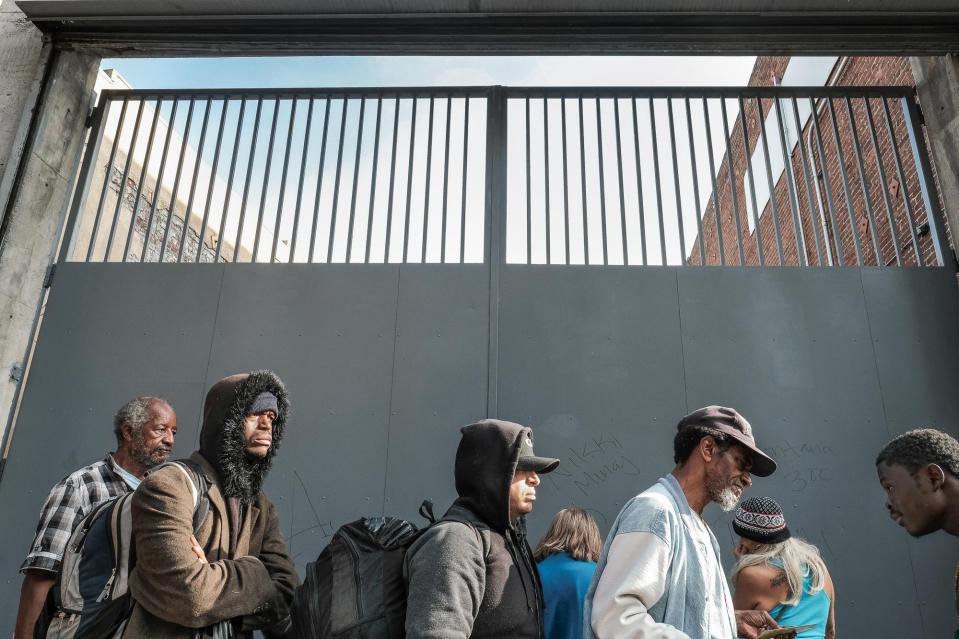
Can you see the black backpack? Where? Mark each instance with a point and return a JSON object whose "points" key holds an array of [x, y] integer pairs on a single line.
{"points": [[356, 588], [91, 597]]}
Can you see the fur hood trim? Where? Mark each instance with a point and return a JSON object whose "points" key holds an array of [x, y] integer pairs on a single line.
{"points": [[221, 437]]}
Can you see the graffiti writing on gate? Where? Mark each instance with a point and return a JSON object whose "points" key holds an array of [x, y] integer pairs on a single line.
{"points": [[589, 466]]}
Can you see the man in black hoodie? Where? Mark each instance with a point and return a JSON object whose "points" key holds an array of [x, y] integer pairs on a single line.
{"points": [[472, 574], [238, 569]]}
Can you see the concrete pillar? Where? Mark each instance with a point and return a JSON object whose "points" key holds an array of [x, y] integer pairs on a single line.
{"points": [[937, 81], [36, 210], [21, 73]]}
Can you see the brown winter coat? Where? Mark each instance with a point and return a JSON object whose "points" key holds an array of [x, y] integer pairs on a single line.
{"points": [[174, 591]]}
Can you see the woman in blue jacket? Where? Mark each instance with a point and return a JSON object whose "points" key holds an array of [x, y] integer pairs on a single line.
{"points": [[566, 558]]}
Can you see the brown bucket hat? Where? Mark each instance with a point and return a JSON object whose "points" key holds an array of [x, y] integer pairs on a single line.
{"points": [[729, 421]]}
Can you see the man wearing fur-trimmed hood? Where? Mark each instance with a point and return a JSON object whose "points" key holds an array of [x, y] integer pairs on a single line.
{"points": [[237, 569]]}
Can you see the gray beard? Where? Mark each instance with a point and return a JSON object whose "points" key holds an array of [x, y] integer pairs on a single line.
{"points": [[726, 498]]}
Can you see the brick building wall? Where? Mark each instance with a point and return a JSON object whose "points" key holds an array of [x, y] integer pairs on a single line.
{"points": [[826, 178]]}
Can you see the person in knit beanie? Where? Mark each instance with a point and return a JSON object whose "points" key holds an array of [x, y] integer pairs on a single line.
{"points": [[237, 570], [779, 573]]}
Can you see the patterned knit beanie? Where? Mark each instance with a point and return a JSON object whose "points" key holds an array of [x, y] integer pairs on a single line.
{"points": [[761, 520]]}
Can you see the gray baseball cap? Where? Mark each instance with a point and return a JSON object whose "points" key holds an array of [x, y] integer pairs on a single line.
{"points": [[730, 422]]}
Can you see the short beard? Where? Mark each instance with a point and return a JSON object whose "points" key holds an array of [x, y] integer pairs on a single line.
{"points": [[721, 493], [145, 456]]}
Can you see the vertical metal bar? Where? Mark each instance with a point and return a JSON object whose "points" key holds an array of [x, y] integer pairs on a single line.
{"points": [[622, 195], [143, 174], [426, 196], [159, 181], [877, 247], [319, 178], [546, 173], [679, 198], [845, 182], [123, 181], [907, 201], [229, 182], [336, 180], [752, 180], [695, 171], [136, 200], [712, 176], [562, 113], [791, 184], [356, 179], [196, 171], [389, 203], [106, 180], [927, 187], [830, 207], [299, 188], [602, 181], [639, 184], [732, 183], [466, 137], [774, 207], [446, 174], [813, 205], [266, 178], [883, 182], [582, 166], [246, 181], [176, 181], [376, 162], [283, 174], [87, 168], [212, 181], [529, 191], [659, 187], [497, 139], [409, 181]]}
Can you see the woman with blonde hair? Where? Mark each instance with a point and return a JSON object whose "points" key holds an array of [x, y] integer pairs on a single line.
{"points": [[566, 557], [779, 573]]}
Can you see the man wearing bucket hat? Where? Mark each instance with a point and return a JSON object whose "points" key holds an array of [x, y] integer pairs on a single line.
{"points": [[472, 574], [660, 573]]}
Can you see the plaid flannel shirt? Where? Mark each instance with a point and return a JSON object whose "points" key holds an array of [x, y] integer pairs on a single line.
{"points": [[69, 500]]}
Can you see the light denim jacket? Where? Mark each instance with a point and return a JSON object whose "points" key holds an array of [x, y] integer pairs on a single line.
{"points": [[695, 600]]}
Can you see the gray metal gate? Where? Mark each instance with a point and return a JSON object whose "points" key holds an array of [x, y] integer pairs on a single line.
{"points": [[386, 358]]}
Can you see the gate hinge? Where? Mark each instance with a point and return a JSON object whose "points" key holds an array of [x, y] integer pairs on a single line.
{"points": [[48, 278], [16, 373], [89, 121]]}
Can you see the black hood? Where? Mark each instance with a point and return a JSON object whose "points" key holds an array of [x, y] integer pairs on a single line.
{"points": [[221, 437], [485, 463]]}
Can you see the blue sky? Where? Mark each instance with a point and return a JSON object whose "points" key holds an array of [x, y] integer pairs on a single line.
{"points": [[337, 71]]}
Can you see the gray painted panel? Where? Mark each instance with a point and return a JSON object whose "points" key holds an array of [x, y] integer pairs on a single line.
{"points": [[599, 361], [912, 316], [803, 372], [328, 333], [439, 380], [591, 359], [109, 334]]}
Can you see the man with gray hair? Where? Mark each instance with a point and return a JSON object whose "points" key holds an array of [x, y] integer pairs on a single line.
{"points": [[145, 428]]}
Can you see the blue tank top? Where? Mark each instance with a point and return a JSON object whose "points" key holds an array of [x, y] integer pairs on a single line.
{"points": [[565, 582], [810, 609]]}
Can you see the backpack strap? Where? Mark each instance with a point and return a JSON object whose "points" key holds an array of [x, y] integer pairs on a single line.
{"points": [[198, 489], [483, 539]]}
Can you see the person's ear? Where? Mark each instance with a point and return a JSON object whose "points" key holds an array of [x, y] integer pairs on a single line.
{"points": [[707, 448], [935, 474], [126, 431]]}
